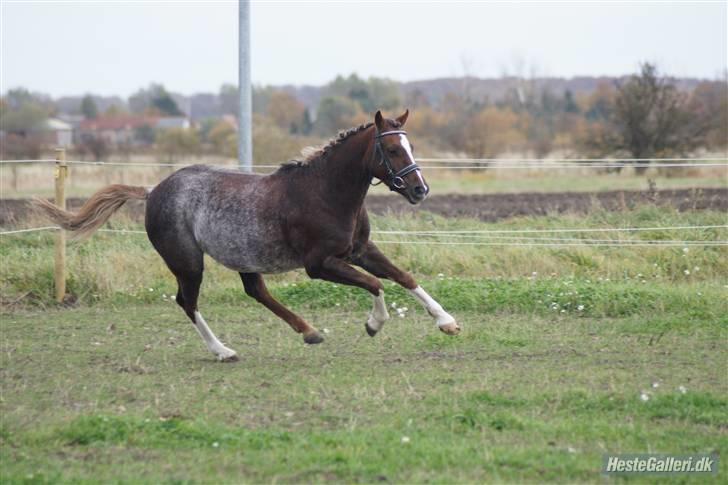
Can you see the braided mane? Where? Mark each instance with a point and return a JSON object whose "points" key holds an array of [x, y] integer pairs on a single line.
{"points": [[313, 154]]}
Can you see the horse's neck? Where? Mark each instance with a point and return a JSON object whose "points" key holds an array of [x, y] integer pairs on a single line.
{"points": [[346, 174]]}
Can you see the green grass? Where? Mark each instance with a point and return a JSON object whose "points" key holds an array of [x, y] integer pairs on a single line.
{"points": [[558, 348], [26, 275], [128, 393]]}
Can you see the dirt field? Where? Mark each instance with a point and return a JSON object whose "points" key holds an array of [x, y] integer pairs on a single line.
{"points": [[486, 207]]}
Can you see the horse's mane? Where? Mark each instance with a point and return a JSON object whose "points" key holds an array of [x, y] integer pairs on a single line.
{"points": [[313, 154]]}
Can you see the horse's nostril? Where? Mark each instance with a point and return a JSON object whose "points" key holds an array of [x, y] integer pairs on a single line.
{"points": [[420, 190]]}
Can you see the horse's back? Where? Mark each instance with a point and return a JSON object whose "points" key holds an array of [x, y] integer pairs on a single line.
{"points": [[233, 216]]}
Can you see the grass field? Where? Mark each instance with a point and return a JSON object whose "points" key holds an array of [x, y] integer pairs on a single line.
{"points": [[566, 354]]}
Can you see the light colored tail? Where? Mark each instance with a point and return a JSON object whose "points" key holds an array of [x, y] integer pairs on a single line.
{"points": [[94, 213]]}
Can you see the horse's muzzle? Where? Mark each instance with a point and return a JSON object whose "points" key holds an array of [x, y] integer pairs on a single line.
{"points": [[417, 194]]}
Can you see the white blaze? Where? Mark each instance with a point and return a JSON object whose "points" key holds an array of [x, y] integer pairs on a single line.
{"points": [[408, 149]]}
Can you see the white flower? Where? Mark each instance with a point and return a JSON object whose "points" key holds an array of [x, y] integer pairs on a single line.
{"points": [[440, 275], [534, 273], [682, 389], [655, 385], [151, 289], [644, 397], [687, 272], [405, 439], [215, 444], [580, 308], [696, 268], [393, 305], [685, 250], [326, 330]]}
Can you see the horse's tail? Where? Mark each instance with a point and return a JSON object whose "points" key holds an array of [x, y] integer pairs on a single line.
{"points": [[95, 212]]}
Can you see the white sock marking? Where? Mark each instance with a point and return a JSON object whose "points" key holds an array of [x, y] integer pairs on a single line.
{"points": [[215, 346], [379, 313], [441, 317]]}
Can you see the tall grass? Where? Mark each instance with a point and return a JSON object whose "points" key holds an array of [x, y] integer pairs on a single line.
{"points": [[124, 267]]}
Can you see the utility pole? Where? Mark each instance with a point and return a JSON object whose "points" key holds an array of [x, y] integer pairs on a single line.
{"points": [[245, 139]]}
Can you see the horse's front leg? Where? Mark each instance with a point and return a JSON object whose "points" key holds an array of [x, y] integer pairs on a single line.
{"points": [[337, 270], [255, 287], [372, 260]]}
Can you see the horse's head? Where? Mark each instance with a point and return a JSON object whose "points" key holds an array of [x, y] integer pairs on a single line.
{"points": [[394, 161]]}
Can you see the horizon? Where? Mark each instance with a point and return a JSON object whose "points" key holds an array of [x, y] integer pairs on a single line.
{"points": [[134, 45], [319, 86]]}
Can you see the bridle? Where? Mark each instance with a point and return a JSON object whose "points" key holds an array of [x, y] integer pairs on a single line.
{"points": [[394, 180]]}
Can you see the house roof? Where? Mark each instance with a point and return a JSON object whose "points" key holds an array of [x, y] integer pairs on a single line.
{"points": [[54, 124], [121, 122]]}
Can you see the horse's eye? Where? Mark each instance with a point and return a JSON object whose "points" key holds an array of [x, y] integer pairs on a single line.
{"points": [[392, 150]]}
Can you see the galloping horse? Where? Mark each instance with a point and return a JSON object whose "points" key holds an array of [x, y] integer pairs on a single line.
{"points": [[306, 214]]}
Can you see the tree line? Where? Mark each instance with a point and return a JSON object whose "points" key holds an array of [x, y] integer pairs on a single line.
{"points": [[642, 116]]}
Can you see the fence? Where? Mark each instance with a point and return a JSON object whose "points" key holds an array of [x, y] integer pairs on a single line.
{"points": [[517, 238]]}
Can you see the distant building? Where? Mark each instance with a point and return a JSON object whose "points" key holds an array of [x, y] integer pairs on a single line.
{"points": [[130, 129], [173, 122], [55, 132], [117, 130]]}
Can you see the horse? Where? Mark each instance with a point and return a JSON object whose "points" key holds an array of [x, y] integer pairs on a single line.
{"points": [[307, 214]]}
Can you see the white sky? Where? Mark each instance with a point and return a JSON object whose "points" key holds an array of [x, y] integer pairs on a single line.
{"points": [[109, 47]]}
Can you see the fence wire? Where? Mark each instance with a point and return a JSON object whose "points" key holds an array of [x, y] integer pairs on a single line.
{"points": [[463, 163], [485, 239]]}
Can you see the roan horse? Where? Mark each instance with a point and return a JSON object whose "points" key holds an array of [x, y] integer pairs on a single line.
{"points": [[306, 214]]}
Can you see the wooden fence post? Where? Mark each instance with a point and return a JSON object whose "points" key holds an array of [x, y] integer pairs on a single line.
{"points": [[61, 173]]}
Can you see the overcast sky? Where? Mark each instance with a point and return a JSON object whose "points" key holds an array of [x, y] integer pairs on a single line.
{"points": [[116, 47]]}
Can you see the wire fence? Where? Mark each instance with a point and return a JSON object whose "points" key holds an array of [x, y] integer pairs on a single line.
{"points": [[462, 163], [497, 237], [543, 238]]}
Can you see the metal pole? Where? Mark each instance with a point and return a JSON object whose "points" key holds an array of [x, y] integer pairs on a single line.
{"points": [[60, 259], [245, 141]]}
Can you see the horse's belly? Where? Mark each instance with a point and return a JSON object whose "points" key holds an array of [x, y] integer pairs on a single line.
{"points": [[249, 254]]}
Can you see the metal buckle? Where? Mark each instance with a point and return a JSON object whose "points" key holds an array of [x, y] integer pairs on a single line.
{"points": [[397, 182]]}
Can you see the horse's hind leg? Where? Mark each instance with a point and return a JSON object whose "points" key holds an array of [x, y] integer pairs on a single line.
{"points": [[372, 260], [255, 287], [189, 290]]}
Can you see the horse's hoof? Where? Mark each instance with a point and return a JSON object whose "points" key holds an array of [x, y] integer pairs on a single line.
{"points": [[450, 329], [230, 356], [313, 337], [370, 331]]}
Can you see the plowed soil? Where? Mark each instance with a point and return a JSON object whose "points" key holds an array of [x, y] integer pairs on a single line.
{"points": [[489, 207]]}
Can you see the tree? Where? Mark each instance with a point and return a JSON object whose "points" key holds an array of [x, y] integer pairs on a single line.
{"points": [[285, 111], [709, 104], [223, 139], [22, 112], [651, 118], [178, 141], [89, 108], [96, 145], [370, 95], [334, 114], [155, 98]]}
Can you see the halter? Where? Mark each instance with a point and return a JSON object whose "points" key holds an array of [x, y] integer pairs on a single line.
{"points": [[394, 180]]}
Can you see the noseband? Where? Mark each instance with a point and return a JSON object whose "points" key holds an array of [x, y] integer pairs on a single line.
{"points": [[394, 180]]}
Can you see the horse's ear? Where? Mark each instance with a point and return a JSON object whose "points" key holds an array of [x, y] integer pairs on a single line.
{"points": [[403, 118], [379, 120]]}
